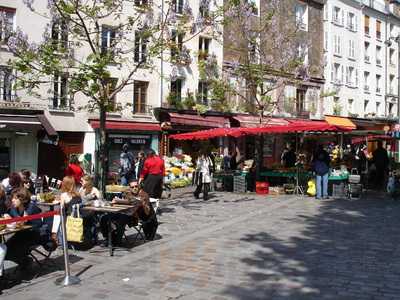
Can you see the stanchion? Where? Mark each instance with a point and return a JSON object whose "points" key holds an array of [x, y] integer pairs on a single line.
{"points": [[68, 279]]}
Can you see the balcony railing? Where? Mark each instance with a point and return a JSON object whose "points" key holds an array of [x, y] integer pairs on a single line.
{"points": [[60, 103], [143, 109], [8, 97], [351, 27], [303, 114]]}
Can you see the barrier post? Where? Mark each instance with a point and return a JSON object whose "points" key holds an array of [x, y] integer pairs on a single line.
{"points": [[68, 279]]}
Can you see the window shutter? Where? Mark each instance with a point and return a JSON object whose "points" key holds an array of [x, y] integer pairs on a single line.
{"points": [[342, 74], [342, 20], [137, 47], [348, 20], [333, 73], [347, 75], [339, 45]]}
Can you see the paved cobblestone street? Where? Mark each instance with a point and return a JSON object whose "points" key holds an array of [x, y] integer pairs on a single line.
{"points": [[246, 247]]}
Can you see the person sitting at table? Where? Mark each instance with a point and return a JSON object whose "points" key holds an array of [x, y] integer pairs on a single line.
{"points": [[13, 181], [20, 243], [88, 191], [27, 181]]}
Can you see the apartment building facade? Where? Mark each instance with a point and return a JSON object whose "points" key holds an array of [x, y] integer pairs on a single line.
{"points": [[74, 130], [296, 96], [360, 63]]}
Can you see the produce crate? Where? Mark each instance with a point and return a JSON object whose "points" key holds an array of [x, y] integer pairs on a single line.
{"points": [[239, 184], [339, 190]]}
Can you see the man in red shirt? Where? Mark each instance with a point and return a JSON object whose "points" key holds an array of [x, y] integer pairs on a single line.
{"points": [[152, 174], [74, 169]]}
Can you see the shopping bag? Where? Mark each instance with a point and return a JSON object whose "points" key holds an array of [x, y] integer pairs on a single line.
{"points": [[74, 226]]}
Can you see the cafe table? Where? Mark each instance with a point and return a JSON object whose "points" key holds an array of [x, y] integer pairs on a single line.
{"points": [[115, 208], [8, 231]]}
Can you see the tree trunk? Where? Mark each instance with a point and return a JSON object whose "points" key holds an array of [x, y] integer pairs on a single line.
{"points": [[103, 152], [259, 151]]}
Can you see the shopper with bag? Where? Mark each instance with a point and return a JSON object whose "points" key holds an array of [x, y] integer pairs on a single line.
{"points": [[203, 175], [321, 168], [127, 166]]}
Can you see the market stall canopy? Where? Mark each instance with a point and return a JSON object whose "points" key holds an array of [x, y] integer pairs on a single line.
{"points": [[207, 134], [296, 126], [127, 125], [340, 121], [293, 127], [26, 123], [197, 120], [248, 121], [370, 138]]}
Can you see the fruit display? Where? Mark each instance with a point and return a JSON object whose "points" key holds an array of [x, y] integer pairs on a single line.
{"points": [[179, 170], [47, 197]]}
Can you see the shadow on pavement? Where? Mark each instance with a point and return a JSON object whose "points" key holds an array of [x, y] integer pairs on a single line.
{"points": [[349, 250]]}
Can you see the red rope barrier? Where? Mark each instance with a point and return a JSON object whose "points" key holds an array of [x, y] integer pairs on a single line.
{"points": [[31, 217]]}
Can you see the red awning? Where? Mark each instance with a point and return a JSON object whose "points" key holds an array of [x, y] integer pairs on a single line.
{"points": [[297, 126], [207, 134], [196, 120], [126, 125], [294, 126], [248, 121]]}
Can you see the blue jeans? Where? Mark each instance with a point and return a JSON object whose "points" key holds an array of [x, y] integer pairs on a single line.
{"points": [[322, 186], [125, 180]]}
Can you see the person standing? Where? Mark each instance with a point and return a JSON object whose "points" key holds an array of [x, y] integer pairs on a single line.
{"points": [[74, 170], [203, 176], [127, 166], [152, 175], [321, 167], [381, 160], [289, 157], [140, 163]]}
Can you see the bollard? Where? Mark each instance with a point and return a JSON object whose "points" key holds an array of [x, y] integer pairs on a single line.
{"points": [[68, 279]]}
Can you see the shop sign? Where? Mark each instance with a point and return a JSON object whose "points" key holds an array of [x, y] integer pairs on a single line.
{"points": [[130, 139], [47, 140]]}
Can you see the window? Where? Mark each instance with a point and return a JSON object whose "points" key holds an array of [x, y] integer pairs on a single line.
{"points": [[108, 35], [6, 23], [366, 102], [140, 97], [59, 35], [204, 8], [337, 45], [112, 83], [366, 52], [392, 57], [350, 106], [378, 29], [177, 43], [60, 90], [351, 49], [176, 89], [391, 109], [350, 76], [337, 73], [338, 16], [366, 81], [391, 85], [378, 55], [202, 93], [300, 100], [7, 92], [366, 24], [301, 16], [177, 6], [378, 84], [140, 47], [351, 22], [378, 107], [204, 47], [141, 3]]}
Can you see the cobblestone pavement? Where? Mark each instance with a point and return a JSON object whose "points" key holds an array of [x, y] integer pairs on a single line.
{"points": [[246, 247]]}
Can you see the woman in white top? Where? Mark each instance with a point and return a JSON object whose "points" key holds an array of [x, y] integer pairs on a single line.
{"points": [[203, 175], [88, 192]]}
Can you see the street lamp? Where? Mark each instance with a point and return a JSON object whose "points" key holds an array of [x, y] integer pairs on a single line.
{"points": [[389, 43]]}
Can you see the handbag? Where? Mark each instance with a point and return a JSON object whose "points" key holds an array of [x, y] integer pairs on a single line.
{"points": [[75, 226], [354, 177]]}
